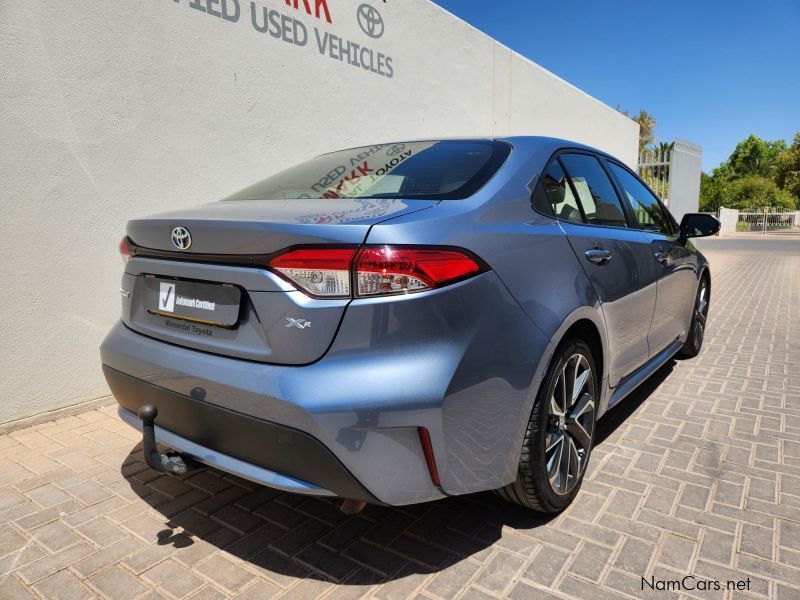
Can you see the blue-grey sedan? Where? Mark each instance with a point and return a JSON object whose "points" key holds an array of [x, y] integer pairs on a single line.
{"points": [[403, 322]]}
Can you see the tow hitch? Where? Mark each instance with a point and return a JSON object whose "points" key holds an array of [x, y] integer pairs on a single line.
{"points": [[170, 461]]}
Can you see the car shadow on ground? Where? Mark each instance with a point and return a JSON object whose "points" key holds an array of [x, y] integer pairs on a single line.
{"points": [[619, 413], [289, 535]]}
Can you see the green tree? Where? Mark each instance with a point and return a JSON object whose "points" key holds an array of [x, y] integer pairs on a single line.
{"points": [[714, 188], [787, 168], [662, 151], [723, 172], [755, 156], [663, 148], [758, 173], [647, 126], [753, 193], [711, 197]]}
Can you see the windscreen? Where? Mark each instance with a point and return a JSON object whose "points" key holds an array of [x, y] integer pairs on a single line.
{"points": [[435, 170]]}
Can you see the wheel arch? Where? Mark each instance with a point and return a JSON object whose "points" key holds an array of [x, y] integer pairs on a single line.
{"points": [[704, 272], [586, 323], [587, 330]]}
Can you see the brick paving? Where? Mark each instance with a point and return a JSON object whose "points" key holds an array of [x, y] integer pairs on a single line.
{"points": [[699, 472]]}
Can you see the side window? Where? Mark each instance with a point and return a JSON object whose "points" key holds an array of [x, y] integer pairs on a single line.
{"points": [[553, 195], [649, 213], [600, 203]]}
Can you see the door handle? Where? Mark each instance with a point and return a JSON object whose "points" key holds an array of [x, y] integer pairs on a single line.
{"points": [[598, 256], [661, 256]]}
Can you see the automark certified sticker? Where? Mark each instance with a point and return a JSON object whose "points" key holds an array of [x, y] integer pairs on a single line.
{"points": [[167, 299]]}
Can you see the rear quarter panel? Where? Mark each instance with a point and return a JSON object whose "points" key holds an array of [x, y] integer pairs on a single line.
{"points": [[535, 264]]}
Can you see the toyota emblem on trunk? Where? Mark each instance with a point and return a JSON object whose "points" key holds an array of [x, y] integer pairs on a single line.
{"points": [[181, 238]]}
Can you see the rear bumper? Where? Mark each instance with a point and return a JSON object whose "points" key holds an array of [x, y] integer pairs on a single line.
{"points": [[261, 451], [224, 462], [460, 361]]}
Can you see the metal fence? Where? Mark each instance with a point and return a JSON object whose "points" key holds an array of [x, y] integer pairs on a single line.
{"points": [[768, 220], [673, 172], [654, 169]]}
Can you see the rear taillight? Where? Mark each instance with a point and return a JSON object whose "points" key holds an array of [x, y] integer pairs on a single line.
{"points": [[125, 250], [375, 270], [323, 272], [395, 270]]}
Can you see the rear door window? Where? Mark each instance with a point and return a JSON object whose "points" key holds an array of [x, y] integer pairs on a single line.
{"points": [[648, 211], [553, 195], [594, 190]]}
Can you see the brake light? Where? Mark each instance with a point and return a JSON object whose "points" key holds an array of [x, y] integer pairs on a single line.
{"points": [[125, 250], [394, 270], [323, 272], [375, 270]]}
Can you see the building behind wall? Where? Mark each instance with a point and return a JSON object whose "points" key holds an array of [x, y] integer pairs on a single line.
{"points": [[112, 111]]}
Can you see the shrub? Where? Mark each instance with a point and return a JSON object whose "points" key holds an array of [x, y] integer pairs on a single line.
{"points": [[753, 193], [711, 188], [787, 168]]}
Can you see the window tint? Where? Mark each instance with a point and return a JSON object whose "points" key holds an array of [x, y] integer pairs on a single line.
{"points": [[553, 195], [595, 192], [440, 170], [648, 211]]}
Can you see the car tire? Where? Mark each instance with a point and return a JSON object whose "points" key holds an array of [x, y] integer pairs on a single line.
{"points": [[562, 421], [697, 326]]}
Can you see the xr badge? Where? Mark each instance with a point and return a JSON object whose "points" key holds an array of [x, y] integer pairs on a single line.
{"points": [[298, 323]]}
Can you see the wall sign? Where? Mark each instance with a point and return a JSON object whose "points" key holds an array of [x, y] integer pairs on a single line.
{"points": [[299, 22]]}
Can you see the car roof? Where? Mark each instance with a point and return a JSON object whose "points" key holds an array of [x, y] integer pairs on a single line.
{"points": [[529, 142]]}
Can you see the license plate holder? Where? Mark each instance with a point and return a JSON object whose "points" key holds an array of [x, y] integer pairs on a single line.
{"points": [[207, 303]]}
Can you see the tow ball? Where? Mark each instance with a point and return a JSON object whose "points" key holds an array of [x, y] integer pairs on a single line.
{"points": [[170, 461]]}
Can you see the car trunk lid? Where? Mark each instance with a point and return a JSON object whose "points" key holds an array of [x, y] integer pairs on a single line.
{"points": [[185, 297], [267, 226]]}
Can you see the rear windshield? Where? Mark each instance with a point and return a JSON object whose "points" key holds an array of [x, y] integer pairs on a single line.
{"points": [[443, 170]]}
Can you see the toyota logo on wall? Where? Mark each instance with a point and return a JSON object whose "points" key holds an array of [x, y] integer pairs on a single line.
{"points": [[181, 238], [370, 20]]}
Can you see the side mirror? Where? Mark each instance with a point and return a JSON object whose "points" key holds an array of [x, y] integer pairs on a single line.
{"points": [[695, 225]]}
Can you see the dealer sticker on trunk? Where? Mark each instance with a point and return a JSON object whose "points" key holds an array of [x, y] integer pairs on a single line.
{"points": [[166, 297], [208, 303]]}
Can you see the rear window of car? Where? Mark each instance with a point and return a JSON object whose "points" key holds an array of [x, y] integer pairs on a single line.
{"points": [[436, 170]]}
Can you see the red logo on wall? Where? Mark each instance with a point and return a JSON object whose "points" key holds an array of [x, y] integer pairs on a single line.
{"points": [[320, 6]]}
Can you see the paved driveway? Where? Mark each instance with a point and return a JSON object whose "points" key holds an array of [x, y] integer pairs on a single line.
{"points": [[699, 472]]}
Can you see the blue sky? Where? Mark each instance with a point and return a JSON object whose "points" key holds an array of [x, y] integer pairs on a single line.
{"points": [[711, 72]]}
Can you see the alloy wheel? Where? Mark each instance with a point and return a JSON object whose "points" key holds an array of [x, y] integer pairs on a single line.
{"points": [[700, 315], [570, 424]]}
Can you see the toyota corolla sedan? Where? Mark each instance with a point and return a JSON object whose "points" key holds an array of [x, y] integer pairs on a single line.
{"points": [[403, 322]]}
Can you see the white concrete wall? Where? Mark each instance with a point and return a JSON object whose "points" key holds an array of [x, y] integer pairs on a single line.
{"points": [[729, 217], [113, 110]]}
